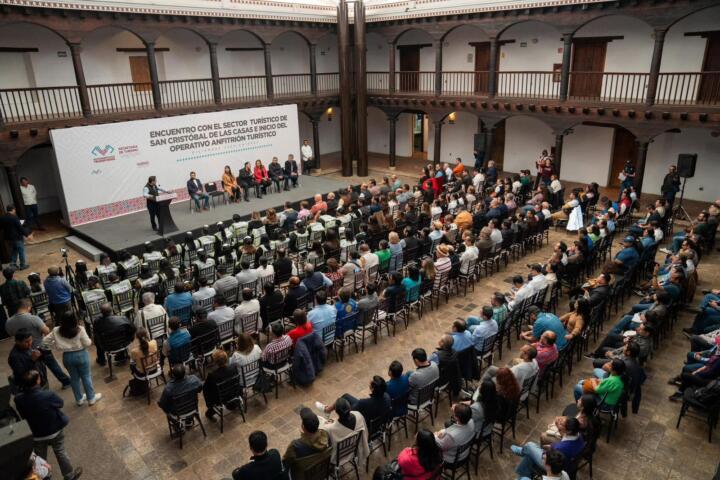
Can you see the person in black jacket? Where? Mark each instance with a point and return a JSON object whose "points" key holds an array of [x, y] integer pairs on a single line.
{"points": [[245, 177], [670, 185], [217, 376], [377, 405], [107, 325], [277, 174], [447, 362], [15, 235], [264, 463], [291, 172], [43, 411]]}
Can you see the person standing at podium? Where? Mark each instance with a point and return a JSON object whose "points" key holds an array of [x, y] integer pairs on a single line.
{"points": [[150, 191]]}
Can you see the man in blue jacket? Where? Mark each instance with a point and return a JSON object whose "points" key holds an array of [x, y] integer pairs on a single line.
{"points": [[42, 410], [197, 191]]}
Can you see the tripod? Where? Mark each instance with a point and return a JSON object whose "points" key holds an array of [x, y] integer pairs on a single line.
{"points": [[680, 213]]}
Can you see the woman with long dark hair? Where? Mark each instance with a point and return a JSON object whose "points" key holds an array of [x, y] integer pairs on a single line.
{"points": [[486, 409], [73, 341], [576, 319], [420, 461], [348, 422], [230, 185]]}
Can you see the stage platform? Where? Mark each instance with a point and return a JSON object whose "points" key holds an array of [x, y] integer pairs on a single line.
{"points": [[130, 232]]}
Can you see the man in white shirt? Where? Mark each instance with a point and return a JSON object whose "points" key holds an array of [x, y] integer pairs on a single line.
{"points": [[203, 293], [496, 234], [469, 255], [29, 194], [555, 185], [478, 180], [369, 259], [150, 309], [221, 312], [306, 155], [248, 306]]}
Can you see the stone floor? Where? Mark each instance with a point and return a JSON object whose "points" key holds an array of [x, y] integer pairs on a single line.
{"points": [[121, 438]]}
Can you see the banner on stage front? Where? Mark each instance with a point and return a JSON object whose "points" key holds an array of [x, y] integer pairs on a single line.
{"points": [[103, 168]]}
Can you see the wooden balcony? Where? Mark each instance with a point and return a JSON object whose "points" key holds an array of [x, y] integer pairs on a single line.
{"points": [[28, 105], [700, 89]]}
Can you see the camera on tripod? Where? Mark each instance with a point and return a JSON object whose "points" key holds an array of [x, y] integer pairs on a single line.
{"points": [[64, 252]]}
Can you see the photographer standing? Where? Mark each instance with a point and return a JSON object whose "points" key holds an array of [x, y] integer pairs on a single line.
{"points": [[670, 185], [59, 291]]}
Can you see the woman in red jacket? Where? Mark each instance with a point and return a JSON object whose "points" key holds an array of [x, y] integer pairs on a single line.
{"points": [[262, 179]]}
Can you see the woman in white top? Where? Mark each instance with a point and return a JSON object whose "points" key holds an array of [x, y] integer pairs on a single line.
{"points": [[348, 422], [247, 351], [72, 340]]}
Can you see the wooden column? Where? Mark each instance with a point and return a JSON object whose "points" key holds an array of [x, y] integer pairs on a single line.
{"points": [[80, 79], [391, 67], [346, 146], [492, 67], [640, 165], [655, 66], [489, 139], [438, 141], [566, 59], [558, 153], [313, 70], [215, 72], [14, 183], [152, 66], [438, 66], [360, 89], [316, 141], [268, 72], [392, 123]]}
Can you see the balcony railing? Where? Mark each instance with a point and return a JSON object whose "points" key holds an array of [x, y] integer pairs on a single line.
{"points": [[18, 105], [609, 87], [120, 97], [378, 81], [465, 83], [44, 103], [415, 82], [292, 84], [542, 85], [688, 88]]}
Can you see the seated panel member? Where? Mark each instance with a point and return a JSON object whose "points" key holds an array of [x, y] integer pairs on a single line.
{"points": [[292, 173], [277, 174], [247, 181], [230, 185], [197, 191], [260, 174]]}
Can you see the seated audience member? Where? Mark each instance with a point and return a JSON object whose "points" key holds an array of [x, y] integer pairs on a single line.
{"points": [[302, 326], [613, 345], [349, 422], [577, 318], [546, 349], [313, 445], [272, 300], [246, 275], [394, 293], [425, 374], [264, 464], [249, 305], [449, 368], [708, 319], [202, 294], [111, 325], [210, 387], [313, 280], [462, 338], [368, 302], [178, 338], [610, 388], [397, 387], [699, 374], [375, 406], [570, 447], [459, 433], [225, 282], [482, 328], [179, 383], [345, 304], [295, 291], [150, 308], [523, 368], [246, 351], [142, 349], [221, 312], [278, 342], [322, 315], [203, 325], [179, 299], [542, 321], [423, 460]]}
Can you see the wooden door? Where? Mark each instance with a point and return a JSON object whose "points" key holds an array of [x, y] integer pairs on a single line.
{"points": [[588, 65], [409, 68], [482, 65], [624, 147], [709, 90], [140, 73]]}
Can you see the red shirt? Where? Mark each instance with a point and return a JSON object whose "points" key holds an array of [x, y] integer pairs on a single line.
{"points": [[260, 173], [410, 465], [300, 331], [319, 206]]}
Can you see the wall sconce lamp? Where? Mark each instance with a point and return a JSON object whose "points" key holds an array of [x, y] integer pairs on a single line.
{"points": [[329, 112], [451, 118]]}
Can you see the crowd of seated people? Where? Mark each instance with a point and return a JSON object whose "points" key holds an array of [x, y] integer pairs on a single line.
{"points": [[278, 266]]}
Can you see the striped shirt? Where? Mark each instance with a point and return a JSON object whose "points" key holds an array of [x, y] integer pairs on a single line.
{"points": [[276, 346]]}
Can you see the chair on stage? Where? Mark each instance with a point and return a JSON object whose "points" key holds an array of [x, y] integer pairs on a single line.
{"points": [[212, 190]]}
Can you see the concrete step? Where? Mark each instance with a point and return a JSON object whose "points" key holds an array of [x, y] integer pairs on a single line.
{"points": [[83, 247]]}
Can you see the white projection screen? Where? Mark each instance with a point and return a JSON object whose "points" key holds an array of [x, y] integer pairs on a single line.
{"points": [[103, 168]]}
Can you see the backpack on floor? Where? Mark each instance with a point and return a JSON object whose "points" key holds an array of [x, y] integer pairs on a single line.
{"points": [[135, 388]]}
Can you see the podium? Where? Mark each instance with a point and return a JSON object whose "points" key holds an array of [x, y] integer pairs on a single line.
{"points": [[164, 219]]}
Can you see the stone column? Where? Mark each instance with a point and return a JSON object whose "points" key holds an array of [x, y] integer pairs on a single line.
{"points": [[438, 141], [316, 141], [80, 79], [392, 124], [558, 153], [492, 67], [215, 72], [640, 165], [655, 66], [565, 74], [360, 90], [313, 70], [438, 66], [268, 72], [346, 124], [152, 66]]}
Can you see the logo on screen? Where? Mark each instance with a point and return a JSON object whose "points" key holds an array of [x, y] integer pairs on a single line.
{"points": [[103, 154]]}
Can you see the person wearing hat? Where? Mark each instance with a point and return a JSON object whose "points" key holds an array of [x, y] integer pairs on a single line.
{"points": [[628, 257], [443, 264], [312, 447], [542, 322]]}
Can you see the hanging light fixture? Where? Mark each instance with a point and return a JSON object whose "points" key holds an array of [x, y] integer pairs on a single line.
{"points": [[329, 113], [451, 118]]}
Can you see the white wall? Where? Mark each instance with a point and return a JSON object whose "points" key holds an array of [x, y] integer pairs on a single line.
{"points": [[685, 54], [37, 166], [102, 63], [403, 135], [427, 54], [326, 54], [378, 137], [34, 69], [188, 58], [539, 53], [458, 54], [329, 133], [631, 54], [290, 54], [377, 53], [458, 138], [525, 139], [664, 151], [240, 63], [587, 154]]}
